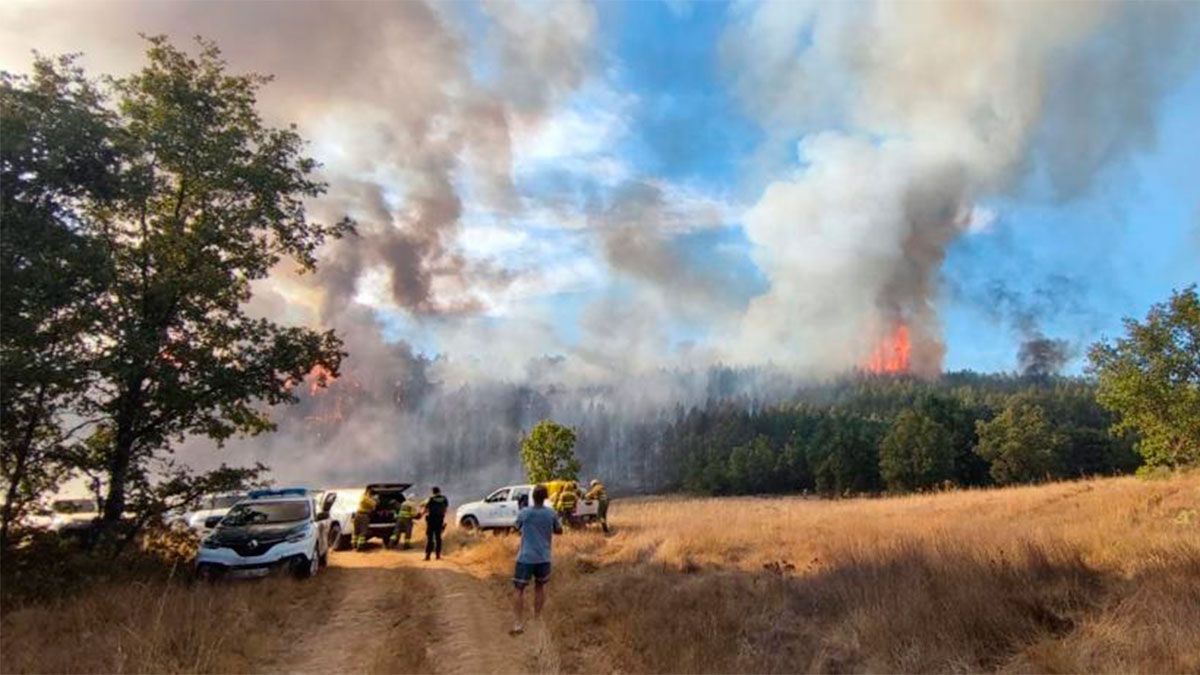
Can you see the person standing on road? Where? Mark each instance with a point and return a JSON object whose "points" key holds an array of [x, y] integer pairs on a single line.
{"points": [[434, 509], [537, 525], [405, 515], [362, 518]]}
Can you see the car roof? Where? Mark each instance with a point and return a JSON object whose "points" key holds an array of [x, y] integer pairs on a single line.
{"points": [[389, 486], [287, 494]]}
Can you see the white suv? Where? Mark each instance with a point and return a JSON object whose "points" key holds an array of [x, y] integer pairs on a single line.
{"points": [[499, 509], [269, 530]]}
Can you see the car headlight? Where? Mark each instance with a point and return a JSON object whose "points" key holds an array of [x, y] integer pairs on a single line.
{"points": [[298, 535]]}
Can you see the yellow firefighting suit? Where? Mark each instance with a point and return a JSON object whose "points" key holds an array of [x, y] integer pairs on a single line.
{"points": [[362, 520]]}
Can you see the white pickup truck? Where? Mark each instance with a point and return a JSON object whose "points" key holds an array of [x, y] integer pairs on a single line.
{"points": [[499, 509]]}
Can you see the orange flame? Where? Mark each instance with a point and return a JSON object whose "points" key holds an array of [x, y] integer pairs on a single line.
{"points": [[891, 354], [319, 377]]}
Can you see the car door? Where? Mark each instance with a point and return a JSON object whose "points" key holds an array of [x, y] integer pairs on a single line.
{"points": [[519, 499], [494, 507], [320, 516]]}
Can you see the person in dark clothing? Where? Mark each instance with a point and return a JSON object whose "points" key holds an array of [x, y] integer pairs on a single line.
{"points": [[434, 509]]}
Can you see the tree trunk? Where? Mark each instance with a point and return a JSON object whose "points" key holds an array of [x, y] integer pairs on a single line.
{"points": [[121, 458], [22, 452], [118, 475]]}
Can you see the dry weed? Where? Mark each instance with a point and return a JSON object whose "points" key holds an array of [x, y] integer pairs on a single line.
{"points": [[160, 628], [1097, 575]]}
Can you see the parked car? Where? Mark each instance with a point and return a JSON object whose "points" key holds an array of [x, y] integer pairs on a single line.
{"points": [[345, 505], [73, 516], [499, 509], [208, 511], [268, 530]]}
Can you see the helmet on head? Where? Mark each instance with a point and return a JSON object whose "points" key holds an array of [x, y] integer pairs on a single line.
{"points": [[595, 482]]}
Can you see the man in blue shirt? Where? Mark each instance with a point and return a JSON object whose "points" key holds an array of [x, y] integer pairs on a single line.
{"points": [[538, 524]]}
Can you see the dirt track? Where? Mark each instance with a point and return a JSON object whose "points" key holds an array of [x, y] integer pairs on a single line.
{"points": [[457, 620]]}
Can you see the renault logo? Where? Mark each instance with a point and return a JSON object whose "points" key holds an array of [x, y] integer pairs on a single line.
{"points": [[253, 543]]}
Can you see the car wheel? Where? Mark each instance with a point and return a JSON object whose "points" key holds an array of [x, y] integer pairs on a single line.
{"points": [[343, 542], [307, 566], [469, 522]]}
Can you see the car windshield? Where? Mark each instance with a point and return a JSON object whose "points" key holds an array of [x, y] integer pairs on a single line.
{"points": [[224, 501], [261, 513], [74, 506]]}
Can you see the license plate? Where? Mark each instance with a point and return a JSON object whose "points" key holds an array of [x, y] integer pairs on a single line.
{"points": [[251, 573]]}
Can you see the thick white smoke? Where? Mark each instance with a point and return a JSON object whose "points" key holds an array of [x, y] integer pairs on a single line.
{"points": [[910, 114]]}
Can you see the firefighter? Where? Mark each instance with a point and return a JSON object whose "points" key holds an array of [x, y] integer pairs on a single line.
{"points": [[434, 509], [565, 501], [405, 515], [362, 518], [596, 491]]}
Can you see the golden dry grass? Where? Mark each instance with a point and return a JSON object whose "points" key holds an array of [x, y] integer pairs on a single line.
{"points": [[1097, 575], [162, 628]]}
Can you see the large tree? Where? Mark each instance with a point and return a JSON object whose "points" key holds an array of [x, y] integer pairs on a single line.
{"points": [[917, 453], [548, 453], [1151, 379], [57, 153], [1020, 443], [211, 198]]}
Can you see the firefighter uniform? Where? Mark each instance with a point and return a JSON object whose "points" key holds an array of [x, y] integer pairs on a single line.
{"points": [[362, 519], [565, 502], [598, 493], [405, 515]]}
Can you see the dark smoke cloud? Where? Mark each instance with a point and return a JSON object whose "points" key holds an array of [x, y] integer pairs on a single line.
{"points": [[386, 91], [639, 227], [1041, 356]]}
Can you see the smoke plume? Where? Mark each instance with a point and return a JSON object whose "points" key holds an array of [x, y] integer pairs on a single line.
{"points": [[950, 104]]}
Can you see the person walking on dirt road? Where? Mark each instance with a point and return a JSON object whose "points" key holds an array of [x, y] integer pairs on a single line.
{"points": [[434, 509], [537, 525]]}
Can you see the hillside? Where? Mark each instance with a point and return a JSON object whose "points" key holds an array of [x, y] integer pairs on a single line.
{"points": [[1096, 575]]}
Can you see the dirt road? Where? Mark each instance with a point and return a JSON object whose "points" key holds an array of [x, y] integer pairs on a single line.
{"points": [[395, 613]]}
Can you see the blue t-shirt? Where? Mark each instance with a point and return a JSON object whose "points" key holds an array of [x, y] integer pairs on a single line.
{"points": [[537, 525]]}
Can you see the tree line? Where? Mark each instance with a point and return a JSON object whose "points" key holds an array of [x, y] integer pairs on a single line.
{"points": [[1139, 406]]}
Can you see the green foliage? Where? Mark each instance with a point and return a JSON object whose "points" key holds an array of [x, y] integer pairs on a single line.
{"points": [[548, 453], [916, 454], [57, 151], [861, 435], [1151, 379], [181, 197], [1020, 444]]}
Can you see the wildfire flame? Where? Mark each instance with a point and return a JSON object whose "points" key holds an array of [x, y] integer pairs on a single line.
{"points": [[318, 378], [891, 354]]}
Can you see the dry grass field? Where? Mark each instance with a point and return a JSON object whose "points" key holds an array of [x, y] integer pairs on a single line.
{"points": [[1098, 575], [1091, 576]]}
